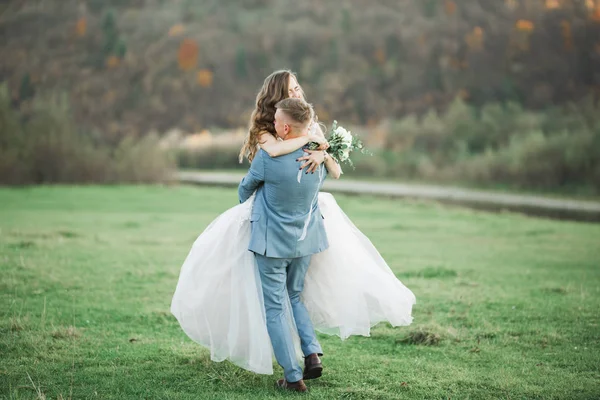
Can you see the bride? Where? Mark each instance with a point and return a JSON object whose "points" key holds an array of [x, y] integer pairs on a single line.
{"points": [[348, 288]]}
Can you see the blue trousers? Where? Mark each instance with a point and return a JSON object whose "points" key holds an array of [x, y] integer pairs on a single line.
{"points": [[283, 278]]}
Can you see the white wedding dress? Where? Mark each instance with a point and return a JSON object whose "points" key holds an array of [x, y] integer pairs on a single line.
{"points": [[218, 301]]}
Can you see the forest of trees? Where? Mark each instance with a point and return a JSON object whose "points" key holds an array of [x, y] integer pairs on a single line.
{"points": [[132, 67]]}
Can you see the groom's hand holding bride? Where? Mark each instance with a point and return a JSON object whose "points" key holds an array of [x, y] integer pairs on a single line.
{"points": [[318, 157], [312, 160]]}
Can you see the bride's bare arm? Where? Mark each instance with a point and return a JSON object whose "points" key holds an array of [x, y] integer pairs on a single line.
{"points": [[275, 147]]}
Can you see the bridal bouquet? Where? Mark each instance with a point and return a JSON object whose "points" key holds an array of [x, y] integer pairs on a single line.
{"points": [[341, 144]]}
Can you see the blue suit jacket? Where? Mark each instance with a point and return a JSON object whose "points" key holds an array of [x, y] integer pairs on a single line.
{"points": [[286, 220]]}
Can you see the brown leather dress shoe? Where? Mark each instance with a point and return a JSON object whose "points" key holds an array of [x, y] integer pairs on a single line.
{"points": [[312, 367], [293, 386]]}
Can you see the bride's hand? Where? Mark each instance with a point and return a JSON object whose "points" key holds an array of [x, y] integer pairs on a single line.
{"points": [[323, 143], [313, 160]]}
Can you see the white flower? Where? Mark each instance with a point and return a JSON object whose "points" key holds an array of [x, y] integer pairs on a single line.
{"points": [[345, 154], [342, 143], [344, 134]]}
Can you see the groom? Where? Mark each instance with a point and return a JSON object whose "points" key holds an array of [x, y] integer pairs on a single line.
{"points": [[287, 229]]}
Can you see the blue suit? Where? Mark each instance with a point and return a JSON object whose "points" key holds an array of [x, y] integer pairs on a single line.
{"points": [[287, 228], [284, 208]]}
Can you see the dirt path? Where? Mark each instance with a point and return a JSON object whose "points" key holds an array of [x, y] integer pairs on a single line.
{"points": [[532, 205]]}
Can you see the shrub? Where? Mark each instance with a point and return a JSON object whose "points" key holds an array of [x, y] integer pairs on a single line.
{"points": [[499, 144], [142, 160], [47, 147], [11, 141], [557, 149], [211, 157], [536, 160]]}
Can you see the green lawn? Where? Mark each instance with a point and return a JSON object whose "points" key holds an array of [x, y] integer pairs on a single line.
{"points": [[508, 306]]}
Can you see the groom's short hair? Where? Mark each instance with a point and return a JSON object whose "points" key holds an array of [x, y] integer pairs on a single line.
{"points": [[297, 109]]}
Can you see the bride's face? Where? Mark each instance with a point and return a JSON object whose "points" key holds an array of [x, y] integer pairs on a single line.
{"points": [[294, 89]]}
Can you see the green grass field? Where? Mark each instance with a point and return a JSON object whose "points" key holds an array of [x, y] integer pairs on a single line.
{"points": [[508, 306]]}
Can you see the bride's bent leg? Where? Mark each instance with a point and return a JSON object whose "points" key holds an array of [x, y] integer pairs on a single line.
{"points": [[273, 281], [295, 285]]}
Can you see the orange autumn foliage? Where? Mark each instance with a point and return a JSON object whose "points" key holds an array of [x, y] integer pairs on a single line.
{"points": [[176, 30], [81, 26], [596, 14], [187, 56], [525, 25], [450, 7], [380, 55], [112, 61], [567, 34], [204, 77], [475, 38]]}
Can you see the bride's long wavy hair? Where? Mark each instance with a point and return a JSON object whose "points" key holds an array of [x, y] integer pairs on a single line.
{"points": [[274, 89]]}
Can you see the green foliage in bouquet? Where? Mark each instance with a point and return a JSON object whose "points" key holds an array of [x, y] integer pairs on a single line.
{"points": [[341, 144]]}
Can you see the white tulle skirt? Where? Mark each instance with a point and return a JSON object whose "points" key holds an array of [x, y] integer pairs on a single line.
{"points": [[218, 301]]}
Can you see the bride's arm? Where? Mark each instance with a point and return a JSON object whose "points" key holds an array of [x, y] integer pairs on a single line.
{"points": [[275, 148], [334, 169]]}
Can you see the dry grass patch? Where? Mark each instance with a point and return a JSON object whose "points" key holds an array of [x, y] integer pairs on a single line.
{"points": [[422, 337], [69, 332]]}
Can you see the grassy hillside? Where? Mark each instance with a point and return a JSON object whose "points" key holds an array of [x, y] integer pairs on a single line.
{"points": [[507, 305]]}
